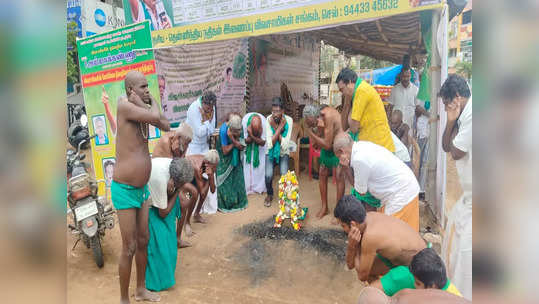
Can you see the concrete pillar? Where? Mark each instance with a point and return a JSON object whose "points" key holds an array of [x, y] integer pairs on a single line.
{"points": [[436, 158]]}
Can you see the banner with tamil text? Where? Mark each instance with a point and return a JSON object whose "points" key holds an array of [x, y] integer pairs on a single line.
{"points": [[198, 21], [104, 61], [186, 72]]}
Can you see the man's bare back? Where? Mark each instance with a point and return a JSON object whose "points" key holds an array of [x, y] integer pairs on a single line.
{"points": [[391, 238], [331, 117], [162, 148]]}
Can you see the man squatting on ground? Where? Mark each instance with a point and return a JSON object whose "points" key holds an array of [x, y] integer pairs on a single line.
{"points": [[376, 242]]}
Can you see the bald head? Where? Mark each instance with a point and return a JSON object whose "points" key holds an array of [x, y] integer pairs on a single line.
{"points": [[180, 140], [396, 116], [396, 120], [185, 131], [256, 125], [342, 146], [341, 141], [136, 82]]}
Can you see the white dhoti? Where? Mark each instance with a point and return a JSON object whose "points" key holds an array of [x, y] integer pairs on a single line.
{"points": [[457, 246], [210, 203], [254, 177]]}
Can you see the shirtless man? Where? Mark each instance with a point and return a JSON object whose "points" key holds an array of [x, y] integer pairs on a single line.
{"points": [[204, 168], [174, 144], [329, 120], [376, 242], [131, 174]]}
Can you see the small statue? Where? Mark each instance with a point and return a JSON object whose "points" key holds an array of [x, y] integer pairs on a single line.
{"points": [[289, 201]]}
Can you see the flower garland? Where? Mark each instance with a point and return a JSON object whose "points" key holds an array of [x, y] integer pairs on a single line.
{"points": [[289, 201]]}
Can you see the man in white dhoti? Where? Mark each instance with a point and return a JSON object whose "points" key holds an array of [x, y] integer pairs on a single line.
{"points": [[457, 140], [254, 156]]}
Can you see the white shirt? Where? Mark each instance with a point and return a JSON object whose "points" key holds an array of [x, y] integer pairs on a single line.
{"points": [[201, 130], [400, 149], [385, 176], [285, 143], [404, 99], [463, 142], [423, 127], [158, 181]]}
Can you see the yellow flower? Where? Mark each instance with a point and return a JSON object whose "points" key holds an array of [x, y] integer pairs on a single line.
{"points": [[294, 196]]}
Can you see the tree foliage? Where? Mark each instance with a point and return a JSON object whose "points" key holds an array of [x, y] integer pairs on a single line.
{"points": [[464, 69], [72, 55], [373, 64]]}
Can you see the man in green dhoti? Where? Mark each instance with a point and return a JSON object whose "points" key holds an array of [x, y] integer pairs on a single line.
{"points": [[162, 243], [231, 195]]}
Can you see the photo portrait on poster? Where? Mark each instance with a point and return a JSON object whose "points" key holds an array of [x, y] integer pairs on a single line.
{"points": [[100, 129], [158, 12], [108, 169]]}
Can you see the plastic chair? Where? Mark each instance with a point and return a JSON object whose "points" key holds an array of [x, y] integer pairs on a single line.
{"points": [[316, 153]]}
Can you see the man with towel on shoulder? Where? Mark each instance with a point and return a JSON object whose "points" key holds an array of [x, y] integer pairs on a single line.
{"points": [[279, 127]]}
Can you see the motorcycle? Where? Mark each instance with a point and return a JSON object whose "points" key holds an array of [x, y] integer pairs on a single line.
{"points": [[79, 128], [91, 214]]}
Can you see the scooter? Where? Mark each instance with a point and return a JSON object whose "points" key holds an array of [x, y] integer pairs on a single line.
{"points": [[91, 214]]}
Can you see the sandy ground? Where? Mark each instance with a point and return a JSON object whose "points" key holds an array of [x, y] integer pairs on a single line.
{"points": [[228, 266]]}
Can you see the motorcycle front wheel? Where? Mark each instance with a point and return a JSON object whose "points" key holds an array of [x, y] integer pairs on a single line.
{"points": [[95, 243]]}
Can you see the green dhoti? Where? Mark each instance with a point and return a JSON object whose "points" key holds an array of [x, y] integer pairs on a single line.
{"points": [[328, 159], [162, 248], [126, 196]]}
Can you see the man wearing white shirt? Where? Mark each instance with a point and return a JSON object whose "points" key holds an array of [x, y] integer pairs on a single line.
{"points": [[378, 171], [403, 97], [457, 140], [254, 160], [201, 118]]}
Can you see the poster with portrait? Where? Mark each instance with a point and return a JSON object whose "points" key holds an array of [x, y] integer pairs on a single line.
{"points": [[99, 125], [105, 59], [157, 12], [108, 169]]}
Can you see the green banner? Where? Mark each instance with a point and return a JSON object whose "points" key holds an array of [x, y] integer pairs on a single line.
{"points": [[104, 60]]}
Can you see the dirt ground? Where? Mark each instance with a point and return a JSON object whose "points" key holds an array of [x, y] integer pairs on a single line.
{"points": [[227, 266], [237, 259]]}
